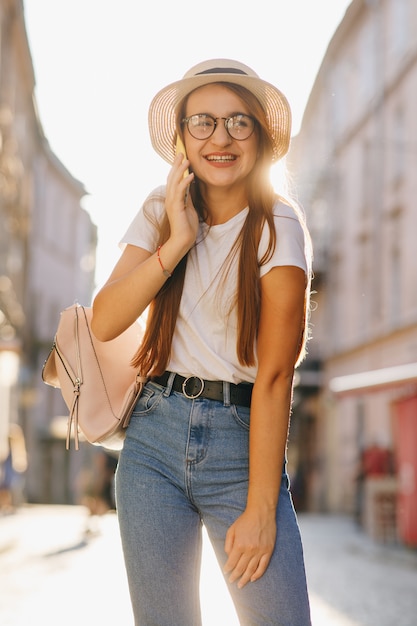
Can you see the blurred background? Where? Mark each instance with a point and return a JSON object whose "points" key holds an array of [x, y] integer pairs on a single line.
{"points": [[76, 79]]}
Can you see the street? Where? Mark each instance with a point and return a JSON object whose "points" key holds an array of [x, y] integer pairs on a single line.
{"points": [[59, 566]]}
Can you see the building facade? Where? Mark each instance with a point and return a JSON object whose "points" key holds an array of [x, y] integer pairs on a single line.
{"points": [[47, 261], [354, 163]]}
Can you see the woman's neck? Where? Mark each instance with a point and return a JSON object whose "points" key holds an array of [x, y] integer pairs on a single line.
{"points": [[223, 204]]}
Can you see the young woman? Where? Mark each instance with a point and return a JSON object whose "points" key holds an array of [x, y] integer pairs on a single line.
{"points": [[224, 265]]}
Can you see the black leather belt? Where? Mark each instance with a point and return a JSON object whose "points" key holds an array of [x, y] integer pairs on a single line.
{"points": [[195, 387]]}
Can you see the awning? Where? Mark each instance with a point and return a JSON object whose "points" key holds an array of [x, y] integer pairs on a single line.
{"points": [[374, 380]]}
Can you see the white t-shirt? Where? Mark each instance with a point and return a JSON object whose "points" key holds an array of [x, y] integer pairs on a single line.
{"points": [[204, 341]]}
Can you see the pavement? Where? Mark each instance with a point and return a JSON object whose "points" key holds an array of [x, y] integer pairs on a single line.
{"points": [[58, 565], [354, 581]]}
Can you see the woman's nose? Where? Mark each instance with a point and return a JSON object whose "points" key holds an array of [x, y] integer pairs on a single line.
{"points": [[221, 137]]}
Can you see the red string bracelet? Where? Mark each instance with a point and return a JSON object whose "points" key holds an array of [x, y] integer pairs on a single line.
{"points": [[165, 272]]}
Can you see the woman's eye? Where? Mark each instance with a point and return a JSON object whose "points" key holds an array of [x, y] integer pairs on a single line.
{"points": [[205, 122]]}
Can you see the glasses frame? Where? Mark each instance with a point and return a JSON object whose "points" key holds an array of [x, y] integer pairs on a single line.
{"points": [[226, 120]]}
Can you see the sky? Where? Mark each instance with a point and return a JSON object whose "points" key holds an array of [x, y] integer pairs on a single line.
{"points": [[98, 64]]}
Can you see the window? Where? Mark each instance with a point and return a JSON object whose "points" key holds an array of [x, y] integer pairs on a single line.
{"points": [[395, 299], [395, 270], [398, 146], [368, 64], [400, 20], [367, 179]]}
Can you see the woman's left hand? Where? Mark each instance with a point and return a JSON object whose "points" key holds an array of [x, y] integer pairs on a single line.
{"points": [[249, 546]]}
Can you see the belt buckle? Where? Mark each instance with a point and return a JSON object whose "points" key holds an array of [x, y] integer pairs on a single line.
{"points": [[184, 387]]}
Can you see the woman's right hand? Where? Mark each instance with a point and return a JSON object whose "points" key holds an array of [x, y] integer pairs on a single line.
{"points": [[182, 216]]}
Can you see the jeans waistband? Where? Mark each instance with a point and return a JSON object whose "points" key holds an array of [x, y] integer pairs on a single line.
{"points": [[195, 387]]}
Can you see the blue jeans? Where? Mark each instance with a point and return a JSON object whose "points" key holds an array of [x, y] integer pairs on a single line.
{"points": [[184, 464]]}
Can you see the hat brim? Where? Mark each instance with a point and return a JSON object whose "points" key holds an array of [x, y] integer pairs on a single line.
{"points": [[162, 111]]}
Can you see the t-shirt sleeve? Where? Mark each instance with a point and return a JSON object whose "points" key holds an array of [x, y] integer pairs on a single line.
{"points": [[143, 231], [292, 247]]}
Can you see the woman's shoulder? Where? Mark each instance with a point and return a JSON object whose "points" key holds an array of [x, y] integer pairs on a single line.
{"points": [[153, 207], [156, 198], [292, 240], [283, 208], [143, 229], [158, 193]]}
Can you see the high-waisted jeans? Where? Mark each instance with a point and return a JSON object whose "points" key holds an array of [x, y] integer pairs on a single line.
{"points": [[184, 464]]}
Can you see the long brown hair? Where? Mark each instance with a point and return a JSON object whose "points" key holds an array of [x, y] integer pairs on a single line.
{"points": [[153, 354]]}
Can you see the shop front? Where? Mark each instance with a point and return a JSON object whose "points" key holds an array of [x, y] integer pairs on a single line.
{"points": [[391, 501]]}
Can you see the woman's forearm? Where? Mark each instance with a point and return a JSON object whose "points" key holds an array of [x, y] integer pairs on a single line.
{"points": [[134, 283], [122, 300], [268, 437]]}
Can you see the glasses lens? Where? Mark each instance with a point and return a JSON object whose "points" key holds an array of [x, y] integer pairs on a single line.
{"points": [[201, 126], [240, 126]]}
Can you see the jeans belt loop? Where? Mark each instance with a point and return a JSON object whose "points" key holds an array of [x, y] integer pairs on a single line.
{"points": [[170, 382], [192, 396], [226, 393]]}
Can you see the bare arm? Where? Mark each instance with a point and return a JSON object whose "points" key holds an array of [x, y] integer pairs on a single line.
{"points": [[137, 277], [250, 540]]}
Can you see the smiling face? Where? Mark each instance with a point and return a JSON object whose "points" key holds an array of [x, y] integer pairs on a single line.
{"points": [[219, 161]]}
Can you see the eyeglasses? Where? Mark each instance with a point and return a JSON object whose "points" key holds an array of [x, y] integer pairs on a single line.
{"points": [[203, 125]]}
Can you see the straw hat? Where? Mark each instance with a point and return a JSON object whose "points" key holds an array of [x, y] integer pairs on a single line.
{"points": [[162, 110]]}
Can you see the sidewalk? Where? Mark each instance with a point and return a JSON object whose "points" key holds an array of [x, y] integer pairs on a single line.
{"points": [[354, 581], [59, 566]]}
